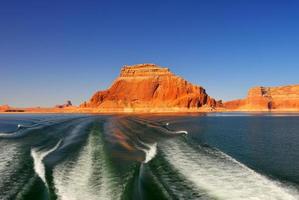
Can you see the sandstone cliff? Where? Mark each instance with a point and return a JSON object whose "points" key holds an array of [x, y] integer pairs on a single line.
{"points": [[284, 98], [4, 108], [150, 88]]}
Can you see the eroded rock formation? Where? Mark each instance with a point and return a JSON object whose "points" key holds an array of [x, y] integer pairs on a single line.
{"points": [[4, 108], [150, 88], [67, 104], [284, 98]]}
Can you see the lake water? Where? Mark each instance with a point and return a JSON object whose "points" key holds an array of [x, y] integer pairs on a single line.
{"points": [[204, 156]]}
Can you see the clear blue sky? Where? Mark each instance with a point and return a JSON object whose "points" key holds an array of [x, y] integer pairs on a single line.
{"points": [[51, 51]]}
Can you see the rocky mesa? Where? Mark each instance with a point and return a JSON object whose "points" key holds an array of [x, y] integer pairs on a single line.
{"points": [[284, 98], [150, 88]]}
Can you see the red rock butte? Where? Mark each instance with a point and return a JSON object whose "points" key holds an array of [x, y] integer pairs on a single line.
{"points": [[284, 98], [150, 88]]}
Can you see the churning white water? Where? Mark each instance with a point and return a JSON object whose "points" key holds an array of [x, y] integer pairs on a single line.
{"points": [[221, 176], [150, 151], [87, 177], [8, 161], [38, 157]]}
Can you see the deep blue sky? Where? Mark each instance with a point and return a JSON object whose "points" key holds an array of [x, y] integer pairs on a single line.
{"points": [[51, 51]]}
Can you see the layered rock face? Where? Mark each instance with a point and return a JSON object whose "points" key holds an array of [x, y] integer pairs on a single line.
{"points": [[4, 108], [285, 98], [150, 88]]}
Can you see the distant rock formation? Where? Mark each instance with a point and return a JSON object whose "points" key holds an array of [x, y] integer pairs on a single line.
{"points": [[7, 108], [284, 98], [4, 108], [67, 104], [150, 88]]}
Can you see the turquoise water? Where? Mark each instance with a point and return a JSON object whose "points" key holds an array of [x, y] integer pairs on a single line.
{"points": [[214, 156]]}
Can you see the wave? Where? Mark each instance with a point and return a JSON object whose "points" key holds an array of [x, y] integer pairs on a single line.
{"points": [[150, 150], [90, 164], [7, 156], [38, 157], [88, 176], [161, 127], [14, 170], [221, 176], [8, 165], [177, 132], [22, 130], [76, 132]]}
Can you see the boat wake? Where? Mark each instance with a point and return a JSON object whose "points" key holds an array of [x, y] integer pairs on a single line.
{"points": [[38, 157], [22, 130], [125, 158], [162, 128], [221, 176], [88, 176], [150, 150]]}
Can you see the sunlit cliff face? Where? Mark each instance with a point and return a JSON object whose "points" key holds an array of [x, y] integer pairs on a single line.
{"points": [[285, 98], [148, 87]]}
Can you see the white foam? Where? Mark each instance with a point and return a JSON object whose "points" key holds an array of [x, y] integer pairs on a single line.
{"points": [[12, 135], [180, 132], [177, 132], [86, 178], [23, 129], [38, 158], [8, 160], [75, 132], [151, 152], [221, 176]]}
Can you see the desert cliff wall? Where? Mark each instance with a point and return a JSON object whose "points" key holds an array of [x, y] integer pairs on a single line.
{"points": [[283, 98]]}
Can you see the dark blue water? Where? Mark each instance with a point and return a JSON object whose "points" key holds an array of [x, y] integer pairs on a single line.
{"points": [[222, 156]]}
